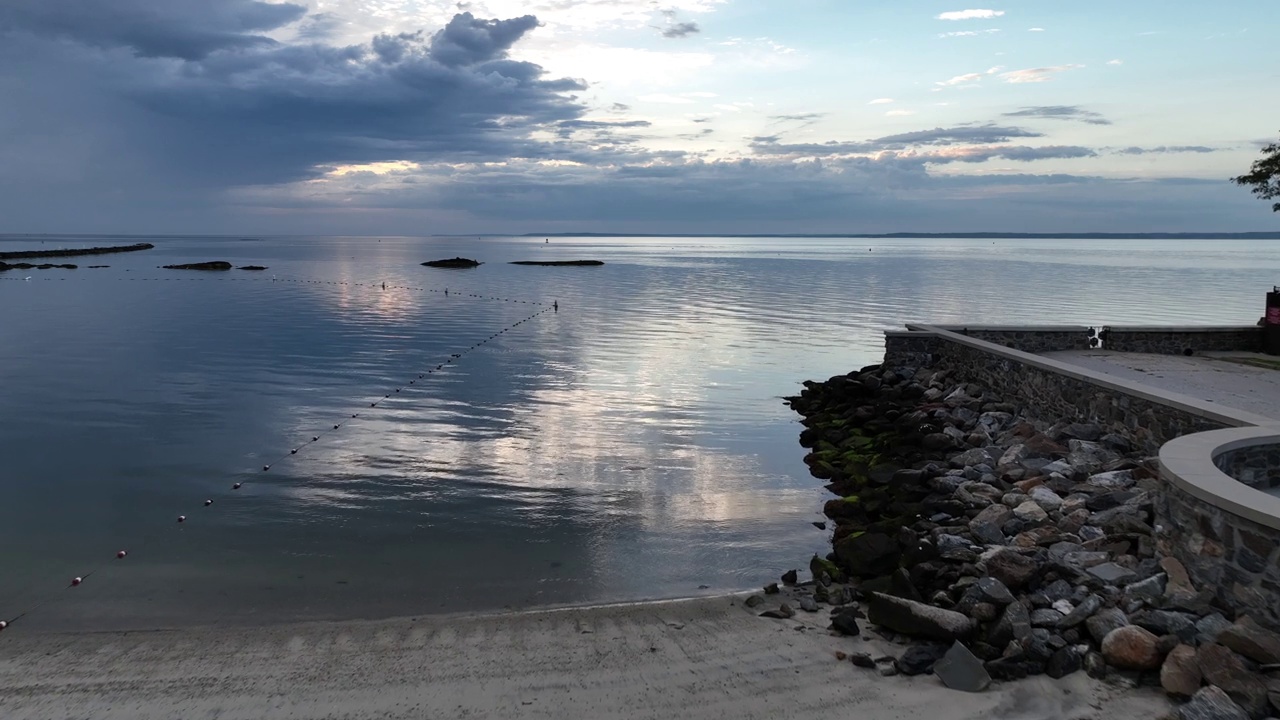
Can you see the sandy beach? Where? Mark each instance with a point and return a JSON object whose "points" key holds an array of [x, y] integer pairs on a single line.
{"points": [[704, 658]]}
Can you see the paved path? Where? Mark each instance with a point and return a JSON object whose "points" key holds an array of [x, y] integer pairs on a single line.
{"points": [[1206, 377], [707, 658]]}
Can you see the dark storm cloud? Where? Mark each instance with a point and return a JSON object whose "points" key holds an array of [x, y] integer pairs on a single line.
{"points": [[960, 135], [680, 30], [1061, 112], [1164, 149], [186, 29], [242, 112]]}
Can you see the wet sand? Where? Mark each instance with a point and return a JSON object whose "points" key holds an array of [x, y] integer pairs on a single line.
{"points": [[704, 658]]}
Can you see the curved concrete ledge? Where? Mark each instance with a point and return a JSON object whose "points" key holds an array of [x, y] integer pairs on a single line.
{"points": [[1188, 463]]}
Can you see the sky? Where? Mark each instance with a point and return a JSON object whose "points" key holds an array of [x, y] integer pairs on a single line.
{"points": [[418, 117]]}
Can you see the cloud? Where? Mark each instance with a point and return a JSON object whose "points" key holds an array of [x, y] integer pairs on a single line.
{"points": [[665, 98], [899, 113], [1061, 112], [1115, 62], [798, 117], [967, 78], [1165, 149], [1016, 153], [1034, 75], [680, 30], [970, 15], [969, 33], [881, 101], [183, 29], [1035, 29], [958, 135]]}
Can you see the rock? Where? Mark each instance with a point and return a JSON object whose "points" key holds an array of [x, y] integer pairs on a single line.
{"points": [[1009, 567], [984, 612], [1095, 666], [1103, 622], [211, 265], [1047, 499], [1132, 648], [955, 547], [1063, 662], [1014, 625], [1082, 612], [887, 669], [1209, 627], [1180, 673], [1252, 641], [987, 525], [916, 619], [1046, 618], [1112, 574], [808, 604], [1211, 703], [783, 612], [771, 589], [1117, 480], [975, 456], [1223, 668], [1082, 431], [862, 660], [1168, 622], [1030, 512], [988, 590], [1064, 606], [1150, 589], [869, 554], [845, 622], [960, 669], [920, 659], [252, 267], [457, 262], [789, 577]]}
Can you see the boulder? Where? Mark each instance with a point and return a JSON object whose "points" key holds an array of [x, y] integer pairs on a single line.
{"points": [[1064, 661], [987, 525], [1082, 612], [1031, 513], [1014, 625], [1104, 621], [1009, 567], [1132, 648], [868, 554], [1211, 703], [1112, 574], [917, 619], [960, 669], [1223, 668], [1252, 641], [1180, 673], [920, 659], [1047, 499]]}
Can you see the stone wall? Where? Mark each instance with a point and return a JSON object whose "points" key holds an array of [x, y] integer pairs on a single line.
{"points": [[1257, 466], [1234, 558], [1032, 339], [1176, 340], [1050, 394]]}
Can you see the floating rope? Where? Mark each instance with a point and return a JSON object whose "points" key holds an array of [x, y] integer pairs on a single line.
{"points": [[79, 580]]}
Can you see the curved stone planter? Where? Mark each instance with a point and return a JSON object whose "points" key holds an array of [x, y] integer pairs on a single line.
{"points": [[1226, 532]]}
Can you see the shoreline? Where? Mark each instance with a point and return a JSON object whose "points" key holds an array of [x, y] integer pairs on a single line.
{"points": [[696, 658], [73, 252]]}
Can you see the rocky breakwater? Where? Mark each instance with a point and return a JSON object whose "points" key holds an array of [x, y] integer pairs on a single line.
{"points": [[1010, 546]]}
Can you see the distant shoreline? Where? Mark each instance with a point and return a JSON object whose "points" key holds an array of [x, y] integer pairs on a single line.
{"points": [[73, 252], [951, 236]]}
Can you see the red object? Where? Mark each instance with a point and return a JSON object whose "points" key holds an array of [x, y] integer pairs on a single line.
{"points": [[120, 555], [76, 581]]}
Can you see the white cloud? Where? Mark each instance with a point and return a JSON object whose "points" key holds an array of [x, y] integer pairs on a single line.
{"points": [[881, 101], [1115, 62], [899, 113], [971, 14], [994, 70], [968, 33], [966, 79], [1035, 29], [1040, 74]]}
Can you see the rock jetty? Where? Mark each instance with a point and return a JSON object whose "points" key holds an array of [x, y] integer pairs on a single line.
{"points": [[29, 266], [560, 263], [457, 262], [1010, 547], [27, 254], [211, 265]]}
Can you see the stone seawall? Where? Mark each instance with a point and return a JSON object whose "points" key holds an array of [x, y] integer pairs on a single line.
{"points": [[1177, 340]]}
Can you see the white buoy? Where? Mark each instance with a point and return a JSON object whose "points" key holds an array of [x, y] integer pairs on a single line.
{"points": [[236, 486], [120, 555], [182, 518], [76, 581], [3, 624], [266, 468], [207, 503]]}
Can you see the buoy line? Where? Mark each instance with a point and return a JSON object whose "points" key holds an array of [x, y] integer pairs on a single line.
{"points": [[122, 554]]}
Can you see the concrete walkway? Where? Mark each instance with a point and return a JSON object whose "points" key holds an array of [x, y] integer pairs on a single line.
{"points": [[706, 658], [1208, 376]]}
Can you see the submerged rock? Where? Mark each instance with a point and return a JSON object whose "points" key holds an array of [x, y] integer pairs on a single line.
{"points": [[457, 262], [211, 265]]}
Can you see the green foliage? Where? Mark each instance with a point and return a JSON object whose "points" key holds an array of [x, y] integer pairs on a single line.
{"points": [[1264, 176]]}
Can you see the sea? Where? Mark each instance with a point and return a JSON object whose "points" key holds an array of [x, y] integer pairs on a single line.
{"points": [[472, 440]]}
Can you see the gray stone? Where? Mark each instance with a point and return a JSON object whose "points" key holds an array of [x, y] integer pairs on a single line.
{"points": [[987, 525], [1082, 431], [1061, 467], [1047, 499], [1252, 641], [1180, 673], [1168, 622], [1223, 668], [1211, 703], [1030, 512], [975, 456], [1117, 480], [1082, 612], [920, 659], [1045, 617], [1091, 532], [960, 669], [1149, 590], [808, 604], [954, 547], [1014, 625], [1209, 627], [1112, 574], [1063, 662], [754, 601], [917, 619], [862, 660], [1104, 621]]}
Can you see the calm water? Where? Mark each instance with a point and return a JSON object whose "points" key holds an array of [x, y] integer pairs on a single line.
{"points": [[631, 445]]}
